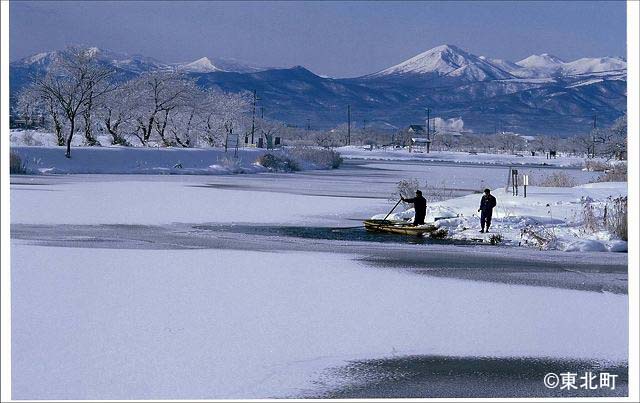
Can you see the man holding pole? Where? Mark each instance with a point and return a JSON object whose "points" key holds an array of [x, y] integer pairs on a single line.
{"points": [[419, 205]]}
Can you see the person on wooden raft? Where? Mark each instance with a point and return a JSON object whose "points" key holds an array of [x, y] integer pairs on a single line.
{"points": [[487, 203], [420, 206]]}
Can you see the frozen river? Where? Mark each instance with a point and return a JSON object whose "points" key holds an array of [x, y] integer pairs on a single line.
{"points": [[152, 287]]}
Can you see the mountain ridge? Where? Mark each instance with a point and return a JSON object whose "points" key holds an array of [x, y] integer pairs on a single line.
{"points": [[452, 82]]}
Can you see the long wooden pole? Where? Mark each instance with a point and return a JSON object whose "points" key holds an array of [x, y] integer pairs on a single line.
{"points": [[394, 207]]}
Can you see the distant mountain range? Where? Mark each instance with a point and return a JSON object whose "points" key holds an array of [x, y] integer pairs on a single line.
{"points": [[539, 94]]}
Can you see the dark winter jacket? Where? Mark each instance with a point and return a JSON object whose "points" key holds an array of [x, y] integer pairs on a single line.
{"points": [[420, 206], [487, 203]]}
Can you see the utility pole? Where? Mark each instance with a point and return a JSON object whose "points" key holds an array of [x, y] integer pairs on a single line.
{"points": [[262, 112], [428, 123], [348, 125], [428, 129], [253, 116], [593, 136]]}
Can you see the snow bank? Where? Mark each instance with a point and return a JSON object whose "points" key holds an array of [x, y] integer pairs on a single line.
{"points": [[139, 160], [400, 154], [550, 214]]}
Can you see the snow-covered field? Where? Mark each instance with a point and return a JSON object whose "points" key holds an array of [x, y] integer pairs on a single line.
{"points": [[553, 213], [40, 155], [130, 160], [403, 154], [148, 324]]}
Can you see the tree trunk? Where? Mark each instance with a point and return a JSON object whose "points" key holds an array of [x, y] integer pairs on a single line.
{"points": [[59, 135], [68, 153]]}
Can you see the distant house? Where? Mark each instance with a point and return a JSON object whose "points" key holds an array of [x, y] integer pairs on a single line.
{"points": [[419, 138], [420, 141]]}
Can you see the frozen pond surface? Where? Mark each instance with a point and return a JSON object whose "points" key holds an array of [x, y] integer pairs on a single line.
{"points": [[141, 287]]}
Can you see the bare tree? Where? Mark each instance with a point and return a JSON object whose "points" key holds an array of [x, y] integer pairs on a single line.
{"points": [[269, 129], [509, 142], [582, 144], [184, 123], [74, 83], [616, 142], [115, 114], [156, 96], [28, 106], [231, 108]]}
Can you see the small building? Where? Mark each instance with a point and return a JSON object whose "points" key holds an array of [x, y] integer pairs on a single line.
{"points": [[420, 144], [420, 138]]}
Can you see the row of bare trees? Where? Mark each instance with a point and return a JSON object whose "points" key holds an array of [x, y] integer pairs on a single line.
{"points": [[81, 96]]}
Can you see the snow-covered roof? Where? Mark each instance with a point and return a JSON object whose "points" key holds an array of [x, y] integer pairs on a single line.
{"points": [[420, 140]]}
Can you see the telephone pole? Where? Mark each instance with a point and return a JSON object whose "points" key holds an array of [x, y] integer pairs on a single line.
{"points": [[253, 116], [593, 136], [428, 123], [348, 125], [428, 130]]}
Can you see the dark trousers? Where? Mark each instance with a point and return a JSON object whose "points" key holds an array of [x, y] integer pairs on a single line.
{"points": [[485, 219]]}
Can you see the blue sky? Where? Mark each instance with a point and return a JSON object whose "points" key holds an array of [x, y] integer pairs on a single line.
{"points": [[335, 38]]}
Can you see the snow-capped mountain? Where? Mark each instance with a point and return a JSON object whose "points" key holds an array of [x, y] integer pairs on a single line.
{"points": [[546, 65], [140, 64], [123, 61], [503, 64], [449, 61], [202, 65], [539, 94], [543, 61], [207, 65], [595, 65]]}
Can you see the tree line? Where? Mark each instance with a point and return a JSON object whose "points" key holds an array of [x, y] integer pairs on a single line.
{"points": [[80, 96]]}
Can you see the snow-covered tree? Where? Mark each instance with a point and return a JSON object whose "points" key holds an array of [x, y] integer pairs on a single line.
{"points": [[185, 123], [616, 145], [155, 97], [508, 142], [269, 129], [115, 114], [74, 83], [229, 112]]}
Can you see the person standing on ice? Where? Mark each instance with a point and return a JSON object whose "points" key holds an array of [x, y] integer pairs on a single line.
{"points": [[487, 203], [420, 207]]}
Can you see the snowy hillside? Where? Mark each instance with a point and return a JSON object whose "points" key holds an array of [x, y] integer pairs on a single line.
{"points": [[132, 63], [595, 65], [202, 65], [546, 65], [448, 60]]}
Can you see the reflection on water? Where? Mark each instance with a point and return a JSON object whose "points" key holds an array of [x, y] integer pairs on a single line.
{"points": [[328, 233], [442, 376]]}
